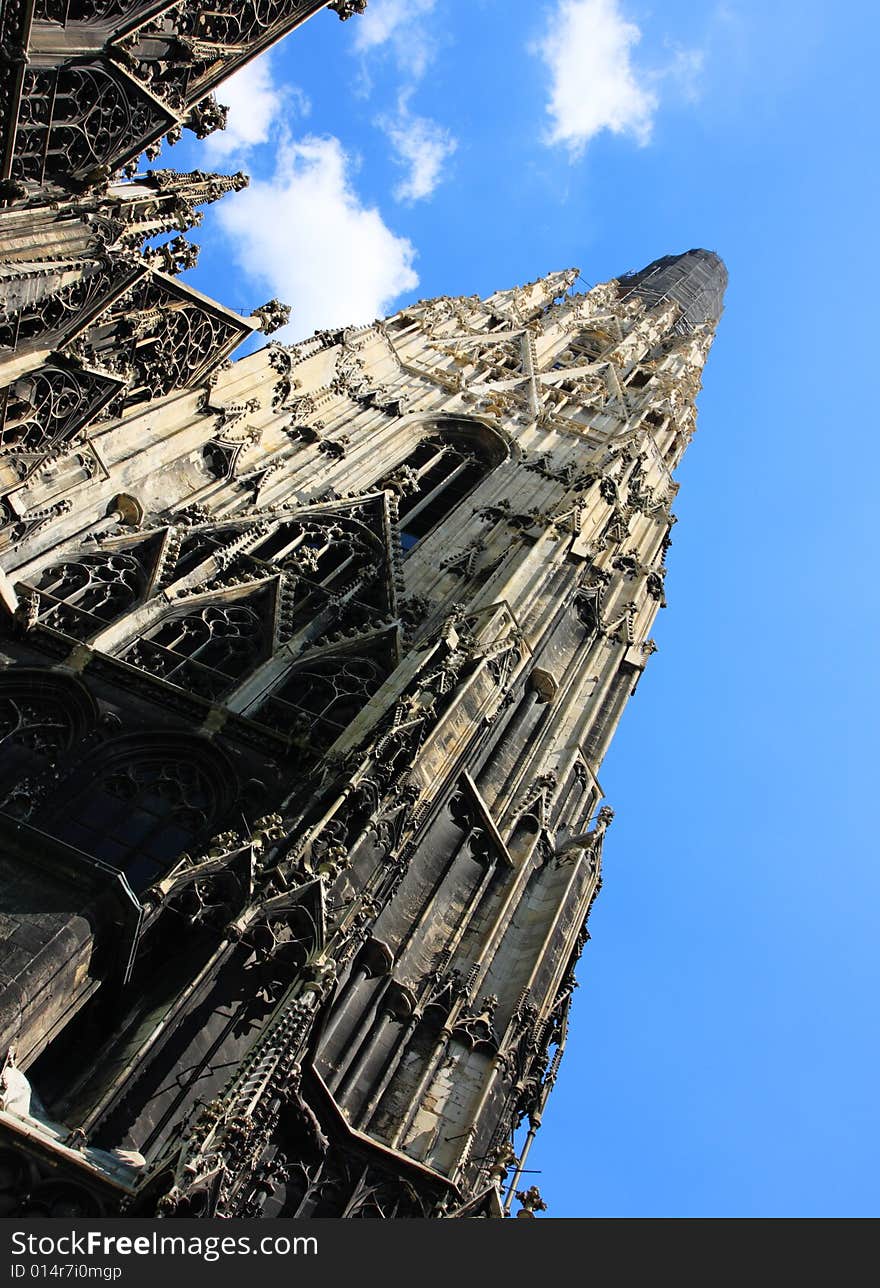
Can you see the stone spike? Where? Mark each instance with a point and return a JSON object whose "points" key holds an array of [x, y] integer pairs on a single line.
{"points": [[195, 187], [526, 302]]}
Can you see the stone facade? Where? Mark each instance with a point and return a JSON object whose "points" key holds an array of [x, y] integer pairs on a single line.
{"points": [[91, 322], [89, 85], [308, 665], [352, 624]]}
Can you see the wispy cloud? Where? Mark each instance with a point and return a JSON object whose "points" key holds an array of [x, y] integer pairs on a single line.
{"points": [[421, 146], [396, 25], [305, 236], [397, 30], [684, 70], [593, 84]]}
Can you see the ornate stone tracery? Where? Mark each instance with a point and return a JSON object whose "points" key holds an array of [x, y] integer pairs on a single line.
{"points": [[321, 696], [75, 120], [205, 651], [80, 597], [44, 409], [59, 315], [135, 804]]}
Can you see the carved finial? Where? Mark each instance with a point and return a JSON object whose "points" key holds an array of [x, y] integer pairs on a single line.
{"points": [[12, 190], [591, 840], [531, 1202], [604, 818], [175, 256], [347, 8], [206, 117], [272, 315], [502, 1162], [27, 613]]}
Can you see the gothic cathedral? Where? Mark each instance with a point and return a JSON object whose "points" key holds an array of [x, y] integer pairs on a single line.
{"points": [[308, 665]]}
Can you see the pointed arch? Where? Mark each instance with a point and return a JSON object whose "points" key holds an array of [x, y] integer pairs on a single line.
{"points": [[43, 716], [210, 647], [138, 802], [82, 115], [207, 544], [80, 597], [584, 346], [322, 542], [451, 457], [45, 408], [320, 696], [337, 566]]}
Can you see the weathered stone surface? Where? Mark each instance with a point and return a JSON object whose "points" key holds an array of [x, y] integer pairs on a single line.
{"points": [[407, 657], [308, 666]]}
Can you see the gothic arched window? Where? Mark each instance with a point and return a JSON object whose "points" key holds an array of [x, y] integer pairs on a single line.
{"points": [[320, 699], [204, 543], [42, 716], [77, 117], [206, 651], [582, 348], [140, 802], [42, 410], [320, 547], [439, 473], [80, 597]]}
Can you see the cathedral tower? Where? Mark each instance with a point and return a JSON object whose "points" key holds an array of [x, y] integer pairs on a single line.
{"points": [[306, 685]]}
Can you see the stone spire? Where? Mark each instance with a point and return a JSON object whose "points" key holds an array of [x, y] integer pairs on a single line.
{"points": [[406, 576], [123, 215], [696, 280], [162, 200], [198, 187], [525, 302]]}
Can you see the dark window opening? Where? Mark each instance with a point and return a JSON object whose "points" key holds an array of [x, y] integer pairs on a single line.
{"points": [[320, 700], [42, 717], [139, 817], [202, 545], [318, 548], [205, 652], [436, 476], [139, 808], [81, 597], [582, 349]]}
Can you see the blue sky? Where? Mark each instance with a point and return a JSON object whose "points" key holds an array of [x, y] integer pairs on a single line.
{"points": [[724, 1048]]}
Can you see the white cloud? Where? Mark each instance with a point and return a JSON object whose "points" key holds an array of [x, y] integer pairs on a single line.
{"points": [[305, 237], [421, 146], [395, 23], [255, 103], [594, 85], [685, 70], [386, 19]]}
